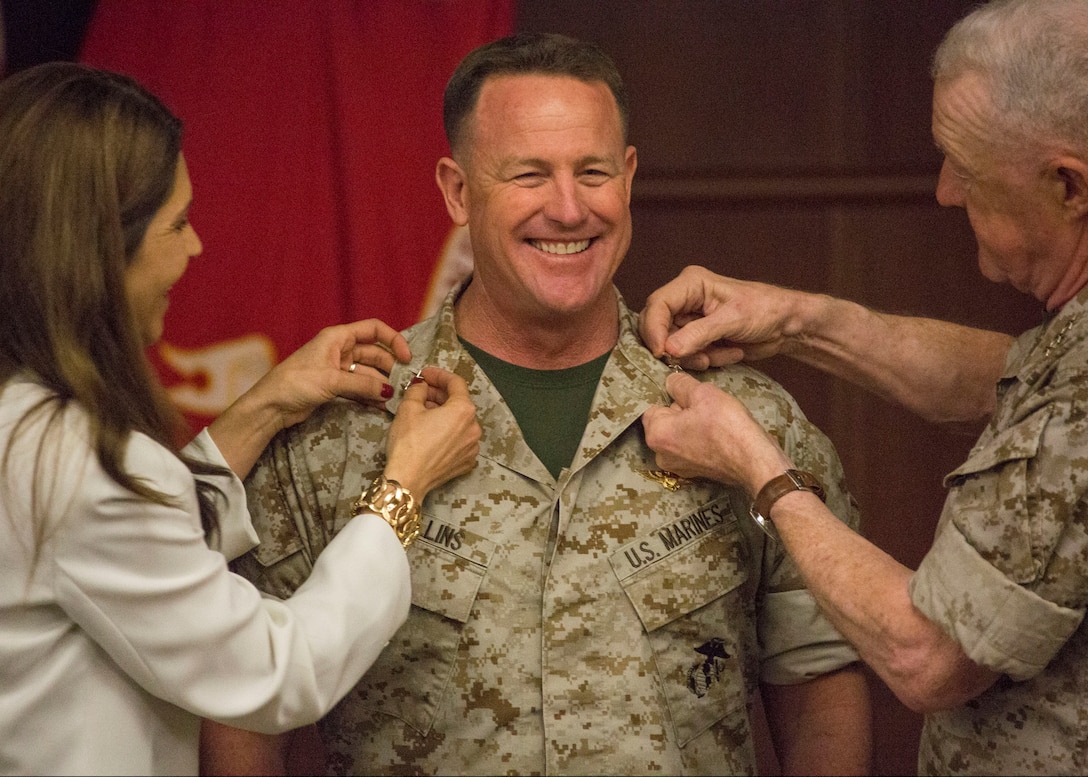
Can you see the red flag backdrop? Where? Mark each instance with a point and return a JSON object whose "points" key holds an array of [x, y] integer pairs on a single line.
{"points": [[312, 129]]}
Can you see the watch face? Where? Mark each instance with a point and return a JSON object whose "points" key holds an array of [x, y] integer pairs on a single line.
{"points": [[763, 523], [777, 487]]}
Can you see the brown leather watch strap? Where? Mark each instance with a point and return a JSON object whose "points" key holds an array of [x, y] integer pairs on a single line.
{"points": [[777, 487]]}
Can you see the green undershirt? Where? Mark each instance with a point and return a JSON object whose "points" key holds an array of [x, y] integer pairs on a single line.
{"points": [[550, 406]]}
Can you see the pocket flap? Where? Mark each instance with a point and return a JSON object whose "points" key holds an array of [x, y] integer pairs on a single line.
{"points": [[1017, 442], [681, 567], [269, 552], [448, 565]]}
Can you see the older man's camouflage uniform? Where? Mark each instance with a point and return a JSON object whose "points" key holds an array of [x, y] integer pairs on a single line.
{"points": [[1008, 572], [604, 623]]}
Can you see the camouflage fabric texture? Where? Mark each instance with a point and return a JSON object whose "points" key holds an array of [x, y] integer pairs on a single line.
{"points": [[601, 623], [1007, 576]]}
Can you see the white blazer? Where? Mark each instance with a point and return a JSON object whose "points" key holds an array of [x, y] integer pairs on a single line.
{"points": [[120, 628]]}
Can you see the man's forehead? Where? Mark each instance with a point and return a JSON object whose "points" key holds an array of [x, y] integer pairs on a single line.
{"points": [[535, 99], [528, 88], [962, 114]]}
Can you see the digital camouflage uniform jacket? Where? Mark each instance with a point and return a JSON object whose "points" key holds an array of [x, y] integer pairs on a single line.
{"points": [[1007, 576], [599, 624]]}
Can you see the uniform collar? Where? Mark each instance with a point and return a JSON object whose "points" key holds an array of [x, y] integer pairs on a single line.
{"points": [[631, 382], [1036, 352]]}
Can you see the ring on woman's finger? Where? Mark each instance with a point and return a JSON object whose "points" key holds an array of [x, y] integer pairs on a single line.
{"points": [[353, 366]]}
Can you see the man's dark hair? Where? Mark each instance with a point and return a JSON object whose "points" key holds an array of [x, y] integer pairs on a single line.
{"points": [[524, 53]]}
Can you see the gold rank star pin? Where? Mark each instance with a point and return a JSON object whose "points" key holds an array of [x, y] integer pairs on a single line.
{"points": [[670, 481]]}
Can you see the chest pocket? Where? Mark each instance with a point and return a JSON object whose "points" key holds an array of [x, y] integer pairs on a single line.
{"points": [[448, 565], [691, 596], [280, 568], [992, 502]]}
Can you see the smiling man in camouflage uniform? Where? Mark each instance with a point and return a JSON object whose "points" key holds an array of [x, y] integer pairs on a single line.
{"points": [[988, 636], [575, 610]]}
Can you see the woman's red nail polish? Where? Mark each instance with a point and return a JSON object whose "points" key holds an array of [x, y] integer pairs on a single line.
{"points": [[387, 391], [415, 380]]}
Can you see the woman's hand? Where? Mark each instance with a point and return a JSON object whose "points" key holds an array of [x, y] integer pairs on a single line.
{"points": [[435, 436], [322, 369], [315, 373]]}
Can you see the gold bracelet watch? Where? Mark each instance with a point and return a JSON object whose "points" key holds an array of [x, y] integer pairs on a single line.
{"points": [[396, 506]]}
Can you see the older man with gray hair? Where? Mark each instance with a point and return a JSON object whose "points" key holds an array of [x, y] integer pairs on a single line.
{"points": [[987, 636]]}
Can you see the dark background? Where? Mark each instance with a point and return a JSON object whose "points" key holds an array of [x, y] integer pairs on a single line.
{"points": [[785, 141]]}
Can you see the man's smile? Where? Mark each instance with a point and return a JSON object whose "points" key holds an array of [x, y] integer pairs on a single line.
{"points": [[575, 247]]}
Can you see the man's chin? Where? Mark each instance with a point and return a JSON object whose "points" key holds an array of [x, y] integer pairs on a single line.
{"points": [[991, 272]]}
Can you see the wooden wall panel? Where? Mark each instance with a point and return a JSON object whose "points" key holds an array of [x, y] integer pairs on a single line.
{"points": [[789, 141]]}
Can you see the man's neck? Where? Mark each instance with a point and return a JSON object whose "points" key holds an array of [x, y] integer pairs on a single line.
{"points": [[1075, 275], [538, 344], [1070, 287]]}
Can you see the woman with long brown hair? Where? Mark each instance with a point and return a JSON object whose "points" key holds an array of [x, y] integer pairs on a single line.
{"points": [[120, 624]]}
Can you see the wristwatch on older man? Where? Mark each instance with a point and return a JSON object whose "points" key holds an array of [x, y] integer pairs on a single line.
{"points": [[777, 487], [396, 506]]}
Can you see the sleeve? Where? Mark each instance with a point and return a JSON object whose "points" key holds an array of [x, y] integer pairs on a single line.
{"points": [[1006, 576], [302, 489], [234, 534], [140, 580], [798, 642]]}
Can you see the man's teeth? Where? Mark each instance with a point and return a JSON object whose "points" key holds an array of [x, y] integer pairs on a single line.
{"points": [[561, 248]]}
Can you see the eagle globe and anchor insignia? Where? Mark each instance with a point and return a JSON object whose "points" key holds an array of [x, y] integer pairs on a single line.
{"points": [[708, 671]]}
